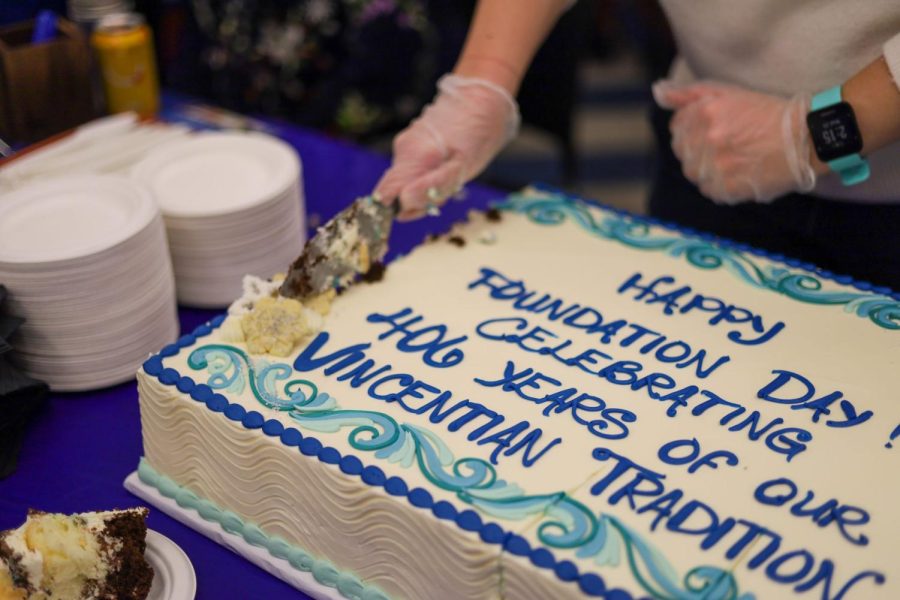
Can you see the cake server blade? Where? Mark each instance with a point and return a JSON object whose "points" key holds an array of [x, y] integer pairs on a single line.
{"points": [[350, 244]]}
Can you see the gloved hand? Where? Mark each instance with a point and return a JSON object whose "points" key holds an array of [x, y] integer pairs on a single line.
{"points": [[450, 143], [737, 144]]}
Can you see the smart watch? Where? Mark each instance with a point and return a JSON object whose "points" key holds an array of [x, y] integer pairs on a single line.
{"points": [[836, 137]]}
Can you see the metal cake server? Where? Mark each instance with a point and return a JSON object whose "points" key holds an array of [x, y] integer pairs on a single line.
{"points": [[352, 243]]}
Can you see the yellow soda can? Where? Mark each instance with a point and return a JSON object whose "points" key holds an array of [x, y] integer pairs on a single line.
{"points": [[124, 48]]}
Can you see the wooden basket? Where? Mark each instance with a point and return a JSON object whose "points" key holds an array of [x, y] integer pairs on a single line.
{"points": [[44, 88]]}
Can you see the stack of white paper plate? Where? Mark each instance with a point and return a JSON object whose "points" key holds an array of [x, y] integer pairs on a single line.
{"points": [[233, 206], [86, 264]]}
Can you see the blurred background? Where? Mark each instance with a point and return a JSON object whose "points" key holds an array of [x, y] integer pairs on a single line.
{"points": [[361, 69]]}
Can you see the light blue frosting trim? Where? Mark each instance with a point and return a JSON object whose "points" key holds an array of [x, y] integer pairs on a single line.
{"points": [[324, 572]]}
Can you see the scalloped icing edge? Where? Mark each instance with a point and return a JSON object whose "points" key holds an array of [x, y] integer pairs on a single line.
{"points": [[591, 584]]}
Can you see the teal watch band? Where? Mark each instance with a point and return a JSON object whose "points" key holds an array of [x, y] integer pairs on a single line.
{"points": [[827, 98], [852, 168]]}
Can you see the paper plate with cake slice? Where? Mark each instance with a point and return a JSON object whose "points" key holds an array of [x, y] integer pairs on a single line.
{"points": [[108, 554]]}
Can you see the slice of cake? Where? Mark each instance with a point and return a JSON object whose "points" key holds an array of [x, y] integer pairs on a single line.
{"points": [[69, 557]]}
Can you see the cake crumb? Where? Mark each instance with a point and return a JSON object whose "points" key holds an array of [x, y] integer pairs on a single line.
{"points": [[488, 237], [375, 273], [274, 326], [321, 304], [457, 240], [493, 215]]}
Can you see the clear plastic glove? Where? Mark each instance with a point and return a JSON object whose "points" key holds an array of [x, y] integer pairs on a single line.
{"points": [[450, 143], [736, 144]]}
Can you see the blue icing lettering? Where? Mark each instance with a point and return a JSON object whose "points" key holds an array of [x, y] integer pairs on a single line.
{"points": [[420, 398], [653, 292], [430, 340], [693, 455], [646, 492], [507, 439], [363, 373], [874, 303], [584, 319], [308, 361], [800, 394], [781, 491], [585, 409], [787, 441]]}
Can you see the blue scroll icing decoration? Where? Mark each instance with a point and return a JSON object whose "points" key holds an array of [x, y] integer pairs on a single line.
{"points": [[226, 366], [552, 209], [651, 568], [564, 521]]}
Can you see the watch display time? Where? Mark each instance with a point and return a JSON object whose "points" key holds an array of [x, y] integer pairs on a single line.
{"points": [[834, 131]]}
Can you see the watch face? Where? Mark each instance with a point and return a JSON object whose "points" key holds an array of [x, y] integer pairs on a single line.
{"points": [[834, 131]]}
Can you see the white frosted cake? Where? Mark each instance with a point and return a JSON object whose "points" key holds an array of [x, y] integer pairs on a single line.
{"points": [[554, 400]]}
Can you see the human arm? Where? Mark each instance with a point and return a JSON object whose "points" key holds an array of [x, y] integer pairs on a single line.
{"points": [[737, 144], [474, 114], [874, 94], [504, 37]]}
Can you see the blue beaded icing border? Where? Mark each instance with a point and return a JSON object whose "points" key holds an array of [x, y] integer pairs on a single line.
{"points": [[468, 520]]}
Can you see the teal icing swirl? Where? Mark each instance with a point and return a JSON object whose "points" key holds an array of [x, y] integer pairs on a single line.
{"points": [[563, 522], [372, 430], [433, 455], [552, 209], [226, 365], [325, 572], [654, 572], [571, 524], [473, 480]]}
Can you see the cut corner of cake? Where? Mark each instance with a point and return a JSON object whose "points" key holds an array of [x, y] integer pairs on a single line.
{"points": [[93, 555], [552, 400]]}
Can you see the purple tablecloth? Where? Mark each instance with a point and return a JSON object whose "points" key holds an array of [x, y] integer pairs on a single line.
{"points": [[79, 451]]}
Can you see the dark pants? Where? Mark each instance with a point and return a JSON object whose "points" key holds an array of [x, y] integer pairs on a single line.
{"points": [[846, 238]]}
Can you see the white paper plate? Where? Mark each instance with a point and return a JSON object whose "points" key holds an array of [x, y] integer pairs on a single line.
{"points": [[71, 217], [217, 173], [86, 264], [173, 574]]}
